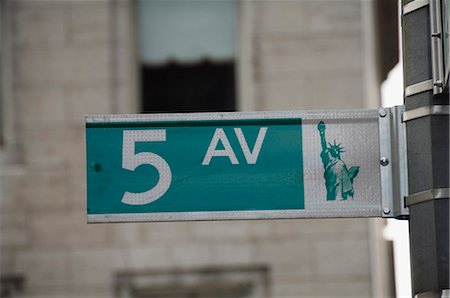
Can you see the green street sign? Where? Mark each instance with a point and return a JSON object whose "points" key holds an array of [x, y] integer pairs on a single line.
{"points": [[210, 166]]}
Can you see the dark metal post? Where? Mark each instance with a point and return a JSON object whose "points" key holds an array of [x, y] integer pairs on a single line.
{"points": [[427, 129]]}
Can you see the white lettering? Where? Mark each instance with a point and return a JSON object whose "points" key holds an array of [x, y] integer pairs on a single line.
{"points": [[219, 135], [131, 160], [251, 157]]}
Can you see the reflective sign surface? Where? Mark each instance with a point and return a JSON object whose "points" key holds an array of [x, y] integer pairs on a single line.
{"points": [[233, 166]]}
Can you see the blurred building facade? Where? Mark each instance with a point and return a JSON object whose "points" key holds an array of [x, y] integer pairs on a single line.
{"points": [[62, 60]]}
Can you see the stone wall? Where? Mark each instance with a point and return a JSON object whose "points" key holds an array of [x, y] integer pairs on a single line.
{"points": [[309, 54], [71, 58]]}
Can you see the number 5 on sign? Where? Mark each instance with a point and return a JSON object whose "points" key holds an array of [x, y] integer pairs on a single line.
{"points": [[131, 160]]}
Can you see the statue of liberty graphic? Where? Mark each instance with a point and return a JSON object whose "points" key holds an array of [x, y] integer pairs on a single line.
{"points": [[338, 179]]}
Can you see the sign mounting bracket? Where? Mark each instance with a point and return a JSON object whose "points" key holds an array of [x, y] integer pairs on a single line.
{"points": [[393, 162]]}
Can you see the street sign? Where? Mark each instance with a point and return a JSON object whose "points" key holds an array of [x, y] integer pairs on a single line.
{"points": [[213, 166]]}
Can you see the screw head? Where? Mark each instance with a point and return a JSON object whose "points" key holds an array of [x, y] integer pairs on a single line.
{"points": [[384, 161], [386, 210], [438, 84], [382, 113]]}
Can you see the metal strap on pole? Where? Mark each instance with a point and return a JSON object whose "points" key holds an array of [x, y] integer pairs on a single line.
{"points": [[419, 88], [427, 195], [414, 5], [444, 294], [426, 111]]}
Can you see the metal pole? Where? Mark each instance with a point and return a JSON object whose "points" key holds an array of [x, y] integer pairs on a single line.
{"points": [[427, 130]]}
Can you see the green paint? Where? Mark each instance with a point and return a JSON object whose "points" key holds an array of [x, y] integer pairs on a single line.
{"points": [[338, 179], [274, 182]]}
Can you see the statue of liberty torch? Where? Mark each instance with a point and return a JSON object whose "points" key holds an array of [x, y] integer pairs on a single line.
{"points": [[338, 179]]}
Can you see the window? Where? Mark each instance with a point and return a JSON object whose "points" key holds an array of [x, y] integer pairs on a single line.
{"points": [[210, 282], [187, 55], [9, 145], [11, 285], [8, 142]]}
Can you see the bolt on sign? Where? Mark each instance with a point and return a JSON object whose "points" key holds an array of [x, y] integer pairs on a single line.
{"points": [[217, 166]]}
